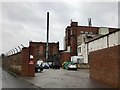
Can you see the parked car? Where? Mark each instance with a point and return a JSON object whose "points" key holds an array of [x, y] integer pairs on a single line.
{"points": [[69, 66], [50, 64], [45, 65], [77, 59], [65, 65], [38, 66], [72, 67]]}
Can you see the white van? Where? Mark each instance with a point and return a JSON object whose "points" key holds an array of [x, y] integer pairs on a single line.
{"points": [[77, 59]]}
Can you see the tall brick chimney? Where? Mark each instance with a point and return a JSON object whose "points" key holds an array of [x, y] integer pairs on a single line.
{"points": [[74, 24]]}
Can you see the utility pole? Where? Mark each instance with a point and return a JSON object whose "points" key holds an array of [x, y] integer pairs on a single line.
{"points": [[47, 36]]}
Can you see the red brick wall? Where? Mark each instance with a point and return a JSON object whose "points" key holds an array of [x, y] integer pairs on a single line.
{"points": [[27, 69], [74, 29], [13, 63], [119, 67], [86, 29], [25, 61], [65, 56], [19, 63], [73, 45], [104, 65], [72, 32], [67, 36], [38, 49]]}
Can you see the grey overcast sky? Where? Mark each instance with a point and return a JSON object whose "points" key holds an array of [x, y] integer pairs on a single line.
{"points": [[25, 21]]}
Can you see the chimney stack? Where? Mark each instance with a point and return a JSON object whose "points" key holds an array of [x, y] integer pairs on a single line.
{"points": [[89, 22], [47, 35]]}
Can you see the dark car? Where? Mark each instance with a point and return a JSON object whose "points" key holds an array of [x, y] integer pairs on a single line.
{"points": [[45, 65], [38, 68], [50, 64]]}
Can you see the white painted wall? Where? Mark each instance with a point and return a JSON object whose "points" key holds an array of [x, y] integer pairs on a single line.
{"points": [[68, 48], [103, 30], [83, 52], [114, 39], [101, 43], [97, 44], [86, 54], [119, 38]]}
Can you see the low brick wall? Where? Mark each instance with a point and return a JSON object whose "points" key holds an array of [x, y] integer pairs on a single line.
{"points": [[19, 63], [83, 66], [13, 63], [65, 56], [105, 65]]}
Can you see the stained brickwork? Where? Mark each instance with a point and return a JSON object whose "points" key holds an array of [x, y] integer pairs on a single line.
{"points": [[65, 56], [73, 31], [27, 69], [19, 63], [71, 34], [119, 66], [105, 65], [13, 63], [38, 50]]}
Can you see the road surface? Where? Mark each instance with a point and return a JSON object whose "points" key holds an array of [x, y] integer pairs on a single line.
{"points": [[11, 81], [61, 78]]}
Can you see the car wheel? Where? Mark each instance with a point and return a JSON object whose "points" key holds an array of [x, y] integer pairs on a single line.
{"points": [[38, 70]]}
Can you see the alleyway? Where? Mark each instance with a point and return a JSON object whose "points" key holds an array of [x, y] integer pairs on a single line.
{"points": [[50, 78]]}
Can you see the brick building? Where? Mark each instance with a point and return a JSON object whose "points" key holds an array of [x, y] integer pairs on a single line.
{"points": [[21, 63], [38, 50], [104, 58], [73, 31], [102, 51]]}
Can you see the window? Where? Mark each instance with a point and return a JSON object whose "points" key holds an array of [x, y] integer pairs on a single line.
{"points": [[86, 32], [79, 49], [90, 32], [82, 32], [71, 32], [67, 34], [41, 48]]}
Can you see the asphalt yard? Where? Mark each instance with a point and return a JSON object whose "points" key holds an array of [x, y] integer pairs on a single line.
{"points": [[61, 78]]}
